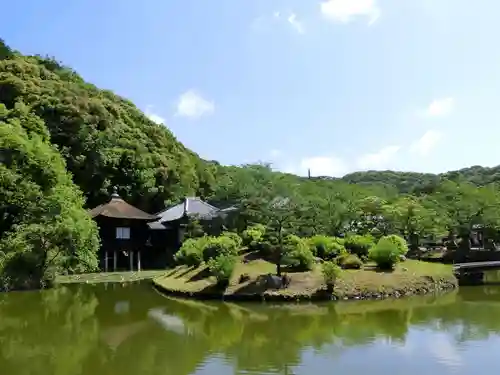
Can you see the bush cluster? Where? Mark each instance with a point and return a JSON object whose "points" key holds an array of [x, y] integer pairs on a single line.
{"points": [[191, 252], [350, 261], [196, 250], [298, 253], [327, 248], [219, 253], [253, 236], [388, 251], [222, 267], [359, 245], [222, 245]]}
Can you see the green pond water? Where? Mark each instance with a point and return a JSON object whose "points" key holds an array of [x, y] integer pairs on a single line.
{"points": [[131, 329]]}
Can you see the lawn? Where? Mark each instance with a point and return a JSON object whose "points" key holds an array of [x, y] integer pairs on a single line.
{"points": [[112, 277], [409, 277]]}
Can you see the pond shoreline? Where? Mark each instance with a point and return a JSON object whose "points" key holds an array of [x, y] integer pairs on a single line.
{"points": [[427, 285]]}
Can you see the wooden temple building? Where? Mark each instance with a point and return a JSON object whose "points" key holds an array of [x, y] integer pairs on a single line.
{"points": [[132, 239], [124, 234]]}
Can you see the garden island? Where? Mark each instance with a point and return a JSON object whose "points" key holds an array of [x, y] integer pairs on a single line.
{"points": [[90, 184]]}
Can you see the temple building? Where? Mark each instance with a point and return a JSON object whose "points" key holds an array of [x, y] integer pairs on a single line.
{"points": [[124, 234]]}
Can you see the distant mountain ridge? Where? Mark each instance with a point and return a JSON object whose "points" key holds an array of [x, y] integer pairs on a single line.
{"points": [[408, 182]]}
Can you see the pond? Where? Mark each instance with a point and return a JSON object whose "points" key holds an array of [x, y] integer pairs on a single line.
{"points": [[132, 330]]}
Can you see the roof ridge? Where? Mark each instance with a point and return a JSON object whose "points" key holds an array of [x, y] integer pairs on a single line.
{"points": [[206, 203]]}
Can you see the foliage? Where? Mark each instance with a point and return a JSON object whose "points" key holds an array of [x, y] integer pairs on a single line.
{"points": [[350, 261], [298, 254], [222, 245], [191, 251], [235, 237], [222, 267], [253, 235], [386, 253], [44, 228], [358, 244], [196, 250], [400, 243], [331, 271], [326, 247]]}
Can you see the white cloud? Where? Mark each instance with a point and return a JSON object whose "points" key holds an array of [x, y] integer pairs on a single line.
{"points": [[322, 166], [191, 104], [378, 160], [440, 107], [425, 144], [295, 23], [154, 116], [345, 11]]}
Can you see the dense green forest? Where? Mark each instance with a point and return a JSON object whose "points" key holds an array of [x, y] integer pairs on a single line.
{"points": [[64, 143]]}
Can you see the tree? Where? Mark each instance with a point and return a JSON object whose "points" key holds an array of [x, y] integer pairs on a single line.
{"points": [[280, 213], [44, 228], [413, 220]]}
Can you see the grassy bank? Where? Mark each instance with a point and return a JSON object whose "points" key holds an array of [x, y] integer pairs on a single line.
{"points": [[110, 277], [411, 277]]}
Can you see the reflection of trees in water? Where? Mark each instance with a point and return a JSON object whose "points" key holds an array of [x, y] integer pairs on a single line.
{"points": [[473, 315], [79, 331], [52, 330], [265, 344], [258, 338]]}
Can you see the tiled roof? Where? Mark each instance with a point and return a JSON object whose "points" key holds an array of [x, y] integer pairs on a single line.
{"points": [[191, 207], [117, 208]]}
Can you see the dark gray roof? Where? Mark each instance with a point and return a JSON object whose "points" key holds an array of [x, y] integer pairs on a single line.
{"points": [[190, 206]]}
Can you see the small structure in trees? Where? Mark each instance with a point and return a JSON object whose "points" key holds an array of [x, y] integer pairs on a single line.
{"points": [[169, 230], [124, 233]]}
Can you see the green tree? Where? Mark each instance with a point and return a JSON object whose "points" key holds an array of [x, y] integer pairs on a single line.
{"points": [[44, 227]]}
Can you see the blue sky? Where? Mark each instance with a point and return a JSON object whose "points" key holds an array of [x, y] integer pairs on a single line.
{"points": [[336, 86]]}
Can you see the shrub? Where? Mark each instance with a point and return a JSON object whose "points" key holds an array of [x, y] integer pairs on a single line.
{"points": [[191, 251], [252, 236], [221, 245], [325, 247], [385, 254], [298, 253], [331, 272], [222, 267], [194, 229], [359, 245], [235, 237], [400, 243], [351, 261]]}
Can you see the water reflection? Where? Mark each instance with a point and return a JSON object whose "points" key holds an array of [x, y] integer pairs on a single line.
{"points": [[131, 329]]}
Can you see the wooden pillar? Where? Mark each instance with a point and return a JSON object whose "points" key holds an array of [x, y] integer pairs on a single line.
{"points": [[138, 260], [131, 256], [114, 260], [106, 261]]}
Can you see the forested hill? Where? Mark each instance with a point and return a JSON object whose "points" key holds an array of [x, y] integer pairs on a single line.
{"points": [[64, 144], [412, 182]]}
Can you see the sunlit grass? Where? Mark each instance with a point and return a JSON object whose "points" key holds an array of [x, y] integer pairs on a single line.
{"points": [[103, 277]]}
